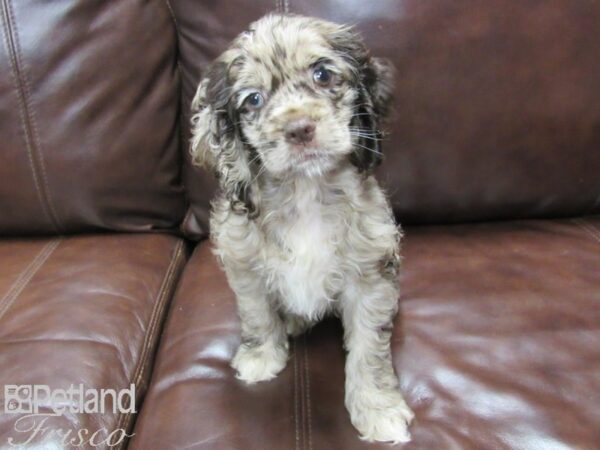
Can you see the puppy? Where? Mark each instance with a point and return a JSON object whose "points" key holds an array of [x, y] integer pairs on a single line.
{"points": [[288, 119]]}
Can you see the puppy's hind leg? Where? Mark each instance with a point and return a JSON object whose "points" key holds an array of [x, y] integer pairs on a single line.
{"points": [[376, 406], [263, 352]]}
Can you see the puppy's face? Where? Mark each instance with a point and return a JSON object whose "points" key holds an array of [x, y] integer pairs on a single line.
{"points": [[294, 96]]}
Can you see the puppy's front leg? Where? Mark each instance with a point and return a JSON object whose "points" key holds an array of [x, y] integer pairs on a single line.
{"points": [[264, 349], [377, 408]]}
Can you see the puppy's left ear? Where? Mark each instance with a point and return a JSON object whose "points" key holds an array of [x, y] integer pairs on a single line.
{"points": [[373, 78], [216, 141], [375, 87], [379, 75]]}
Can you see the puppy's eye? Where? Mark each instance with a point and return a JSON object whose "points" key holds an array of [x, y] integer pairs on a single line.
{"points": [[322, 76], [254, 101]]}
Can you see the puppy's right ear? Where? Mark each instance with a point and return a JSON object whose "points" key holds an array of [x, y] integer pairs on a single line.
{"points": [[216, 144], [205, 143]]}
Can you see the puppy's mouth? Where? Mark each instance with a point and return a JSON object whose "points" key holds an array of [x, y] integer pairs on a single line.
{"points": [[311, 156], [309, 160], [311, 153]]}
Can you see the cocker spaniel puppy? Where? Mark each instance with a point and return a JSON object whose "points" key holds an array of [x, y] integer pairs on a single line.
{"points": [[288, 119]]}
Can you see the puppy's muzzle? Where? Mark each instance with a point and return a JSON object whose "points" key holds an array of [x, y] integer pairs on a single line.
{"points": [[300, 131]]}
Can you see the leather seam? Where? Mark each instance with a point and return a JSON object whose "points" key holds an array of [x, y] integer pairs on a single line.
{"points": [[15, 76], [587, 227], [302, 394], [307, 389], [26, 275], [124, 420], [168, 3], [296, 390], [301, 398], [32, 141], [139, 371]]}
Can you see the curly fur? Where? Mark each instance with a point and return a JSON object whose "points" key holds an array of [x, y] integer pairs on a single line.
{"points": [[304, 231]]}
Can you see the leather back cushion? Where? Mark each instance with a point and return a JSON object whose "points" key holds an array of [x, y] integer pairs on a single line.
{"points": [[497, 103], [88, 117]]}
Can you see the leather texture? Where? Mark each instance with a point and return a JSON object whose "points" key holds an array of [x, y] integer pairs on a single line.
{"points": [[497, 116], [496, 346], [88, 117], [497, 110], [82, 310]]}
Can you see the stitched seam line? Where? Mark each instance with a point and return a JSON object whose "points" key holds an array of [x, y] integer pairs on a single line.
{"points": [[15, 76], [588, 227], [307, 385], [124, 420], [25, 277], [302, 395], [296, 390], [32, 142], [154, 319], [172, 16]]}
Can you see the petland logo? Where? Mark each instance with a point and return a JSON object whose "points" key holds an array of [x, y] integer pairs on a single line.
{"points": [[36, 403]]}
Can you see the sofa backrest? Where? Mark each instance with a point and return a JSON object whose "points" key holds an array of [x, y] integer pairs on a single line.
{"points": [[497, 103], [89, 101]]}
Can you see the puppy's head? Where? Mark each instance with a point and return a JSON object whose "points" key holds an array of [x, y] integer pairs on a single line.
{"points": [[293, 96]]}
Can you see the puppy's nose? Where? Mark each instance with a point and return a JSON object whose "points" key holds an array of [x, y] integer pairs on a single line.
{"points": [[300, 131]]}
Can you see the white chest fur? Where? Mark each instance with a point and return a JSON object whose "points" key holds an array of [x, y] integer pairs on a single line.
{"points": [[303, 230]]}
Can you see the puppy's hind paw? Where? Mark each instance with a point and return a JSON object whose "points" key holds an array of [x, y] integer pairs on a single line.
{"points": [[382, 419], [260, 363]]}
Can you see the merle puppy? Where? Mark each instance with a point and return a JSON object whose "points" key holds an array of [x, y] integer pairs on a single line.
{"points": [[288, 119]]}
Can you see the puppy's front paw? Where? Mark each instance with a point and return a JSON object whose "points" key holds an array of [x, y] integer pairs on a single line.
{"points": [[259, 363], [380, 415]]}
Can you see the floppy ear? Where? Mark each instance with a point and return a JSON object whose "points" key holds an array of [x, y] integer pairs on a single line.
{"points": [[375, 86], [379, 81], [216, 142], [374, 80]]}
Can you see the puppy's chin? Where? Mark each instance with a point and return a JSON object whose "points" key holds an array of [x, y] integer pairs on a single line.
{"points": [[313, 160], [308, 162], [313, 164]]}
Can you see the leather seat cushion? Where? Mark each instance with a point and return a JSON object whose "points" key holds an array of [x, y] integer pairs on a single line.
{"points": [[82, 310], [496, 347]]}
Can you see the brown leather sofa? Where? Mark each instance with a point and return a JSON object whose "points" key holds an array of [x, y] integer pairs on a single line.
{"points": [[492, 165]]}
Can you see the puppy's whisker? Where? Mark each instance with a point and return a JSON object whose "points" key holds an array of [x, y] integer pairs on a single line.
{"points": [[260, 172], [370, 137], [361, 114], [257, 157], [368, 149], [368, 133]]}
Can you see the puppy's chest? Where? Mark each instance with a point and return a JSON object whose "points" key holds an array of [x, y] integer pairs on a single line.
{"points": [[304, 247]]}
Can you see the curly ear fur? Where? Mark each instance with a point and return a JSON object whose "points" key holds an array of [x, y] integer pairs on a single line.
{"points": [[216, 143], [374, 79]]}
